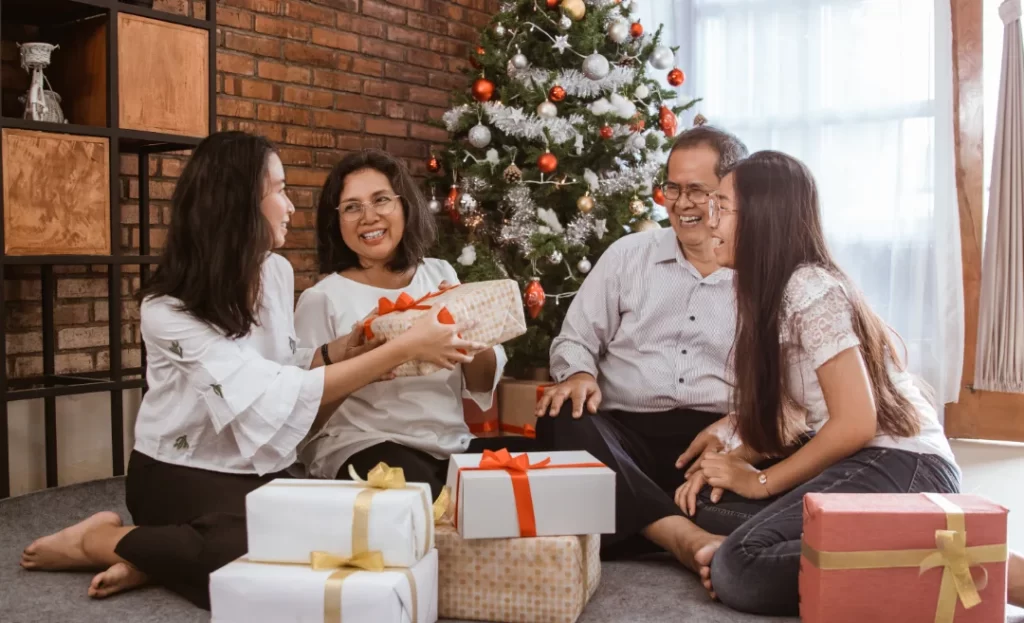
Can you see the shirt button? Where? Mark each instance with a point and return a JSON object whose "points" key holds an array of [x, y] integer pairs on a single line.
{"points": [[682, 380], [693, 317], [684, 351]]}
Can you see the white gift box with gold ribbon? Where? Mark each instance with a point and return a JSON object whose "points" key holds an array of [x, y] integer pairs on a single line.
{"points": [[252, 592], [288, 520]]}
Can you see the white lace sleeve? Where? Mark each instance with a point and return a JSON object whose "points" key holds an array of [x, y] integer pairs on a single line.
{"points": [[818, 315]]}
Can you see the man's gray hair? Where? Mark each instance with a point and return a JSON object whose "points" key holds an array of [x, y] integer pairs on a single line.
{"points": [[730, 149]]}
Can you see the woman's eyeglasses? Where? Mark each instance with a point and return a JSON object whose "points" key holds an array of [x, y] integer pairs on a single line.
{"points": [[383, 205]]}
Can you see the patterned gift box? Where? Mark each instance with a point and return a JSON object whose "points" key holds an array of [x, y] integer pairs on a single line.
{"points": [[912, 558], [496, 308], [536, 580]]}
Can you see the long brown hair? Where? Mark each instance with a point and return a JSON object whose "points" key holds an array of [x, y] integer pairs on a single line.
{"points": [[778, 229]]}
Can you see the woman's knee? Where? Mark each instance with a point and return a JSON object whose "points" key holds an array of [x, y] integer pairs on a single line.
{"points": [[744, 585]]}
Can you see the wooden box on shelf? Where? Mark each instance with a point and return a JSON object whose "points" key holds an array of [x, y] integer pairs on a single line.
{"points": [[56, 190], [163, 76]]}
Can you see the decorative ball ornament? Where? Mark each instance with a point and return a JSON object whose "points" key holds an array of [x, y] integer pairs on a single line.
{"points": [[564, 22], [434, 205], [551, 4], [661, 57], [646, 225], [596, 67], [556, 94], [547, 162], [499, 31], [555, 257], [667, 121], [618, 31], [520, 62], [574, 9], [607, 132], [474, 59], [433, 165], [479, 136], [659, 196], [699, 120], [636, 30], [642, 92], [513, 175], [483, 89], [584, 266], [676, 77], [534, 297], [451, 204], [547, 110], [585, 203], [637, 207]]}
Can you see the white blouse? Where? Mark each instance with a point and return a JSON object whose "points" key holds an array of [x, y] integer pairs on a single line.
{"points": [[817, 325], [228, 405], [421, 412]]}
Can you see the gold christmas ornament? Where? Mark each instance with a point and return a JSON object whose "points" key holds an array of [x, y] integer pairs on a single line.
{"points": [[699, 120], [513, 175], [645, 225], [637, 207], [585, 203], [574, 9]]}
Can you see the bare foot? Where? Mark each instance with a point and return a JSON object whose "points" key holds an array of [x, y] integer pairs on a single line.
{"points": [[118, 578], [1015, 573], [689, 549], [63, 550], [703, 558]]}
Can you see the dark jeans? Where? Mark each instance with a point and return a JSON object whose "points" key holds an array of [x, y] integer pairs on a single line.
{"points": [[422, 467], [757, 567], [642, 449], [190, 521]]}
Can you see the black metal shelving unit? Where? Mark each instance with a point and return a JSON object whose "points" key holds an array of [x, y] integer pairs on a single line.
{"points": [[49, 385]]}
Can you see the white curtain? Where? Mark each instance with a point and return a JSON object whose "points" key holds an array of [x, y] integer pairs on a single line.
{"points": [[1000, 353], [861, 91]]}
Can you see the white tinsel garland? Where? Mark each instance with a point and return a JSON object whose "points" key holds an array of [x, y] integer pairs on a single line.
{"points": [[514, 122], [579, 230], [522, 223], [578, 85], [453, 117], [629, 179]]}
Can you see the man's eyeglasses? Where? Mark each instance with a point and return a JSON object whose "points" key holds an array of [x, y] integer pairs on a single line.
{"points": [[693, 194], [352, 211]]}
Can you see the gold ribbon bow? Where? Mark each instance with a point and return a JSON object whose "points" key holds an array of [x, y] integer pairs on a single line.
{"points": [[951, 553], [367, 561], [441, 505], [380, 477]]}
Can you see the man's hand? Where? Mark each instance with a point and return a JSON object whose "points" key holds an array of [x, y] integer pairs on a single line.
{"points": [[581, 388], [712, 439]]}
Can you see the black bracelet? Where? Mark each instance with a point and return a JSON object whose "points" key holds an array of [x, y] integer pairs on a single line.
{"points": [[327, 357]]}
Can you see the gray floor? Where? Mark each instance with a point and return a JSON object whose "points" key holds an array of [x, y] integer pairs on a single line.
{"points": [[652, 591]]}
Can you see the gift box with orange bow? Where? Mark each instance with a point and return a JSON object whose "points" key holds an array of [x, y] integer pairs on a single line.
{"points": [[498, 495], [913, 558], [494, 307]]}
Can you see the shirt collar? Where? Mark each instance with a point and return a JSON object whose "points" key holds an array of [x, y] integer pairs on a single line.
{"points": [[668, 250]]}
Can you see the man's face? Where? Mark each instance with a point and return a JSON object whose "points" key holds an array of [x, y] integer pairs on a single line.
{"points": [[691, 172]]}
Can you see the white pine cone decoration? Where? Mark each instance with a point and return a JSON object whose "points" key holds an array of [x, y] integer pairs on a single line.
{"points": [[513, 174]]}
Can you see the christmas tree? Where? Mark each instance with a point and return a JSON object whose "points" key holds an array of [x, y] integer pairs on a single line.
{"points": [[555, 152]]}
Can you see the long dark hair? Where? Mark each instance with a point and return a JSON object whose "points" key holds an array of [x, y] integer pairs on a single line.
{"points": [[778, 230], [420, 230], [218, 237]]}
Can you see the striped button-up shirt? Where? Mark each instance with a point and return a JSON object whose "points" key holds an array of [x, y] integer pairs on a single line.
{"points": [[655, 333]]}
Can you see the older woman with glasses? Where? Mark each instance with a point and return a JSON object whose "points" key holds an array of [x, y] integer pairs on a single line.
{"points": [[373, 233]]}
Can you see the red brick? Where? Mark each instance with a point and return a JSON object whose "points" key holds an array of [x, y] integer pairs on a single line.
{"points": [[352, 142], [27, 366], [407, 149], [416, 5], [262, 6], [308, 13], [447, 82], [303, 261], [350, 6], [233, 18], [383, 49], [404, 73], [457, 65], [304, 136], [295, 156], [477, 19], [272, 131], [414, 38], [448, 47], [437, 25], [388, 127], [428, 133], [287, 29], [431, 97], [82, 288], [358, 103], [272, 70], [159, 189], [304, 176], [303, 219], [367, 66], [69, 363], [460, 31], [337, 120], [282, 114], [236, 63], [423, 58], [308, 97], [172, 167], [301, 198], [335, 39], [83, 337], [365, 27], [316, 56], [301, 239], [336, 81], [235, 107], [407, 111], [447, 10], [382, 11], [389, 90], [263, 46]]}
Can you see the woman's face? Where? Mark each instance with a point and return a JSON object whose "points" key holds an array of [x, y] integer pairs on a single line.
{"points": [[371, 216], [722, 221], [277, 208]]}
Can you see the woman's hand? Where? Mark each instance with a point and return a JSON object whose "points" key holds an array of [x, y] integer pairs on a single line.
{"points": [[433, 342], [686, 494], [728, 471]]}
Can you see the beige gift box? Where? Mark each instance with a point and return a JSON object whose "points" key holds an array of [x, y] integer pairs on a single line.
{"points": [[517, 405], [496, 307], [538, 580]]}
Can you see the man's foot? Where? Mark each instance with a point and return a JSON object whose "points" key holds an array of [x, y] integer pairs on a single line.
{"points": [[703, 558], [63, 550], [1015, 580], [117, 579]]}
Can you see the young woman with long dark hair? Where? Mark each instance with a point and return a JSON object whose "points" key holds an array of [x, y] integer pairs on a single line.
{"points": [[230, 395]]}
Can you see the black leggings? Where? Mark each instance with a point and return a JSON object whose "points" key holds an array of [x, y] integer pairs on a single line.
{"points": [[190, 521], [422, 467]]}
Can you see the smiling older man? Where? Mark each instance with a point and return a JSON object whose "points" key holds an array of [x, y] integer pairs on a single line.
{"points": [[642, 358]]}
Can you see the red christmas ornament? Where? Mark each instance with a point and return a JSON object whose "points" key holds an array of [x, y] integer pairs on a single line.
{"points": [[450, 204], [474, 59], [607, 132], [547, 163], [552, 4], [433, 165], [658, 196], [556, 94], [676, 77], [483, 89], [636, 30], [638, 123], [534, 297], [668, 122]]}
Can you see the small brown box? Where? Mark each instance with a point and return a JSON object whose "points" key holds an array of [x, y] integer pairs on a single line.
{"points": [[56, 193], [163, 76]]}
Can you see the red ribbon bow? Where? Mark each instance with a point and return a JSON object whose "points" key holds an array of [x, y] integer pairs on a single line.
{"points": [[404, 302]]}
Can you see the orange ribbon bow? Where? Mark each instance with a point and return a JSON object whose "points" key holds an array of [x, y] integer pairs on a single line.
{"points": [[517, 468], [404, 302]]}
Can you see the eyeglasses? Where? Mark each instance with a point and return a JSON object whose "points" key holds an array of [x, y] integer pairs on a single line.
{"points": [[698, 196], [716, 210], [352, 211]]}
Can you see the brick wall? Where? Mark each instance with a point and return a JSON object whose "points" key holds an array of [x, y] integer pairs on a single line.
{"points": [[317, 77]]}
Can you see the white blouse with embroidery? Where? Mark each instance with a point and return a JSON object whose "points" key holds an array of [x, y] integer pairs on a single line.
{"points": [[421, 412], [817, 325], [228, 405]]}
